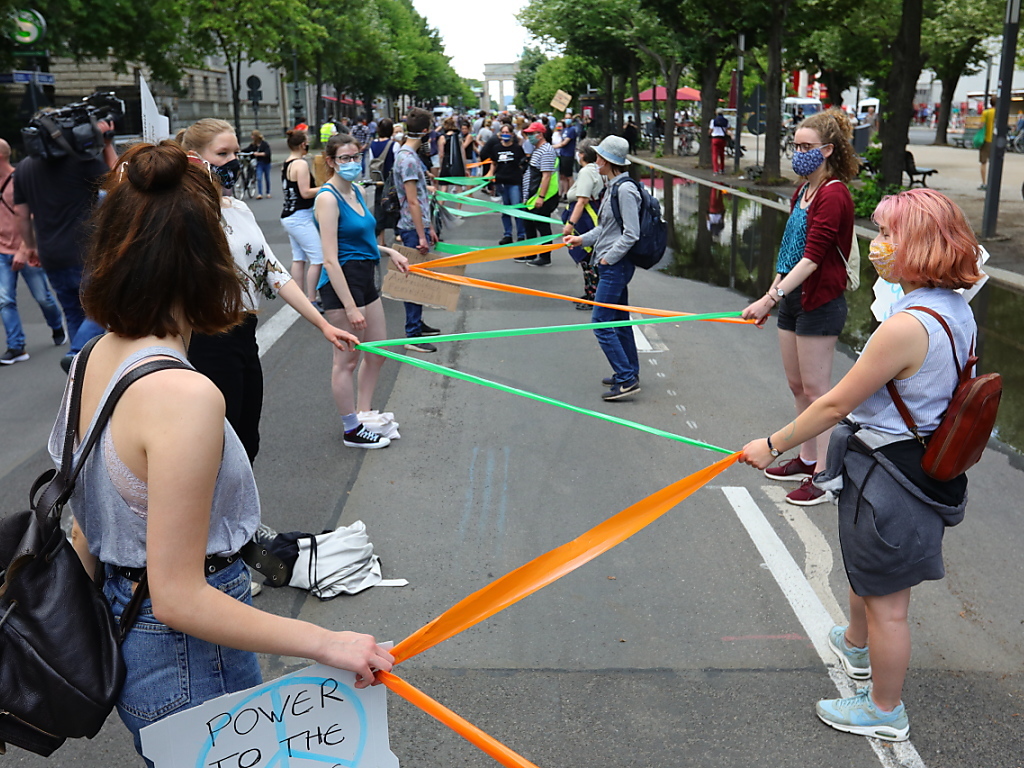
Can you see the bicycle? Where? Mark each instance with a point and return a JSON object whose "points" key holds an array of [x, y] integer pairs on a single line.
{"points": [[246, 183], [788, 143], [689, 143]]}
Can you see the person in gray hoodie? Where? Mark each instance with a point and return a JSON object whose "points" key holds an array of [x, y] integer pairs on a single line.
{"points": [[892, 515]]}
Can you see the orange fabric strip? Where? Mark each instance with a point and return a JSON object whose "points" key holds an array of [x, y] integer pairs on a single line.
{"points": [[460, 725], [477, 165], [492, 286], [490, 254], [541, 571]]}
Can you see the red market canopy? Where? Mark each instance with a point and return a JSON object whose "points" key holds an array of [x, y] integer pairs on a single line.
{"points": [[661, 94]]}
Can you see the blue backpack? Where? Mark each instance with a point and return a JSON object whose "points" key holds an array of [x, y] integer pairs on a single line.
{"points": [[648, 250]]}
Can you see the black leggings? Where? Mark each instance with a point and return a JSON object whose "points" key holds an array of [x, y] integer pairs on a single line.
{"points": [[232, 361]]}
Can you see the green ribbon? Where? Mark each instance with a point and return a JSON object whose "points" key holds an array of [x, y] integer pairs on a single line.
{"points": [[478, 181], [452, 249], [490, 208], [376, 347], [435, 368]]}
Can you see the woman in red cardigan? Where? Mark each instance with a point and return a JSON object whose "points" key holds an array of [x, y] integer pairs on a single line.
{"points": [[810, 280]]}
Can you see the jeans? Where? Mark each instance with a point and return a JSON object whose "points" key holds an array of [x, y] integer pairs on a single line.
{"points": [[304, 236], [67, 283], [512, 194], [35, 278], [168, 671], [88, 330], [262, 177], [618, 344], [413, 312]]}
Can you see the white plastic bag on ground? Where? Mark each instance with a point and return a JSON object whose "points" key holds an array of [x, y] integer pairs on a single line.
{"points": [[339, 562]]}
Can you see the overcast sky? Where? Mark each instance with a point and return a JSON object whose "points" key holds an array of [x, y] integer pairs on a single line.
{"points": [[476, 33]]}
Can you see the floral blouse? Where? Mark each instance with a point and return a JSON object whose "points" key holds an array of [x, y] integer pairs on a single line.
{"points": [[263, 273]]}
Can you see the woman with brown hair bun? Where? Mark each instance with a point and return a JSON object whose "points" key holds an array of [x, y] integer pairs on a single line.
{"points": [[172, 491], [810, 281]]}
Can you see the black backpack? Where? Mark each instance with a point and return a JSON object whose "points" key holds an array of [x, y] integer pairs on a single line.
{"points": [[648, 250]]}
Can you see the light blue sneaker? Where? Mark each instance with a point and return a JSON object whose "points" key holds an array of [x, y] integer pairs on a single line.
{"points": [[856, 661], [858, 714]]}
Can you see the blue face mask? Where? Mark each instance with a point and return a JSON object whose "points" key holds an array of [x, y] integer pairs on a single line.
{"points": [[350, 171], [507, 137], [806, 163]]}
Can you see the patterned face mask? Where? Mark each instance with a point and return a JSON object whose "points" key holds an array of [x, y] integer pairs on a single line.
{"points": [[806, 163], [883, 259]]}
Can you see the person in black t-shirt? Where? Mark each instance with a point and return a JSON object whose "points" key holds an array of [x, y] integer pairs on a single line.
{"points": [[505, 152]]}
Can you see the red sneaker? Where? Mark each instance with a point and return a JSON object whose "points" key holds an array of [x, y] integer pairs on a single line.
{"points": [[808, 494], [792, 471]]}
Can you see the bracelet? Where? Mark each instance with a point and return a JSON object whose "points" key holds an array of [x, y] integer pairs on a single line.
{"points": [[570, 221], [775, 301]]}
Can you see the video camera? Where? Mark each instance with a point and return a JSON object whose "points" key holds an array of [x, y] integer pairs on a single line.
{"points": [[73, 130]]}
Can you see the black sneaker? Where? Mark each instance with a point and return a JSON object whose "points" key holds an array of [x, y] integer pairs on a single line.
{"points": [[416, 345], [361, 437], [505, 240], [540, 261], [12, 356], [59, 337], [610, 381], [621, 391], [426, 330], [523, 259]]}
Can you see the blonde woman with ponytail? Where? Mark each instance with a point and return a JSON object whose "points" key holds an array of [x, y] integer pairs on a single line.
{"points": [[808, 289]]}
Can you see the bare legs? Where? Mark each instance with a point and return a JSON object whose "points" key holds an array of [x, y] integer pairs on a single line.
{"points": [[807, 361], [881, 623], [306, 277], [343, 369]]}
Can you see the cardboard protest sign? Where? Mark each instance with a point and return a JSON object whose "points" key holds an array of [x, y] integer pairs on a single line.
{"points": [[155, 127], [561, 100], [420, 289], [313, 717]]}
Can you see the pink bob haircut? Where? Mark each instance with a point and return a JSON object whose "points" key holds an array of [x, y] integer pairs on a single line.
{"points": [[935, 245]]}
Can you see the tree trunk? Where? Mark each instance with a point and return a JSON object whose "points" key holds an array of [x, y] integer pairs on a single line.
{"points": [[634, 82], [900, 87], [234, 78], [609, 98], [945, 108], [675, 69], [773, 95], [620, 104], [368, 106], [708, 104]]}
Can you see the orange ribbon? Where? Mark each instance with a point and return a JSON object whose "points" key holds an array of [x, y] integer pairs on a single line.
{"points": [[499, 253], [542, 570], [477, 165], [460, 725], [491, 286]]}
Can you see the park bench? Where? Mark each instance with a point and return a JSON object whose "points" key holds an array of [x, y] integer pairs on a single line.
{"points": [[917, 175]]}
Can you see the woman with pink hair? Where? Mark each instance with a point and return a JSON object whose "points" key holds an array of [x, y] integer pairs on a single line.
{"points": [[891, 514]]}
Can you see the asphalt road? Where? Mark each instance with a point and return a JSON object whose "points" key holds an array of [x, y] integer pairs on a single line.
{"points": [[695, 643]]}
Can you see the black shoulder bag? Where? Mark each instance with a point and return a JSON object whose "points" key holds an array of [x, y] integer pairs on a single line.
{"points": [[61, 669]]}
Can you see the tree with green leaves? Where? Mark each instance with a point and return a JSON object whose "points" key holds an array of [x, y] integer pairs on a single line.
{"points": [[530, 61], [568, 73]]}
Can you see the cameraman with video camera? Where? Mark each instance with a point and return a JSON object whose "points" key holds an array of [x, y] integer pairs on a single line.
{"points": [[55, 188]]}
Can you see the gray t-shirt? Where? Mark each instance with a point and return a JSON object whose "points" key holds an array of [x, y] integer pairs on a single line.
{"points": [[409, 168]]}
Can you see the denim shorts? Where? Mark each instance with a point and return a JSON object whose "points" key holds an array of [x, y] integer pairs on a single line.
{"points": [[826, 320], [169, 671], [361, 276]]}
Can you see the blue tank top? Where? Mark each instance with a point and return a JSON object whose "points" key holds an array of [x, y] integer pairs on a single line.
{"points": [[794, 241], [356, 237]]}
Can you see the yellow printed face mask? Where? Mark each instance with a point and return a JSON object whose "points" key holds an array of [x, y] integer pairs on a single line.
{"points": [[883, 258]]}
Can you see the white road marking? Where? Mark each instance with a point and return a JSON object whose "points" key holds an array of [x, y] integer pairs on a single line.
{"points": [[671, 393], [681, 408], [647, 339], [268, 334], [810, 611], [660, 375], [651, 360]]}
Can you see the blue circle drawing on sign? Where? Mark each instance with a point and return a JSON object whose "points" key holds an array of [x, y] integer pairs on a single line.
{"points": [[29, 26], [290, 746]]}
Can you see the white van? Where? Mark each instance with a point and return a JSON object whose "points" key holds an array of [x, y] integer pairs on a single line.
{"points": [[440, 113], [792, 104]]}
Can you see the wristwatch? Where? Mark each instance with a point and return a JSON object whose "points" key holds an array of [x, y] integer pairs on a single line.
{"points": [[780, 293], [772, 449]]}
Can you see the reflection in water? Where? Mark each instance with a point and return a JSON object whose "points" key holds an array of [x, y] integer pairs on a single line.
{"points": [[718, 238]]}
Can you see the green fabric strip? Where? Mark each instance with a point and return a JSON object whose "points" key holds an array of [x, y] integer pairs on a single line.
{"points": [[435, 368], [454, 249], [507, 332], [478, 181]]}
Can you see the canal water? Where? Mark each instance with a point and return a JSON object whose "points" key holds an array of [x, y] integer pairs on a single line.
{"points": [[728, 240]]}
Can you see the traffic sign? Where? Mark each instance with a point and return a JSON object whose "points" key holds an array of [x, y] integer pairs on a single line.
{"points": [[29, 27], [24, 78], [758, 109], [253, 82], [255, 95]]}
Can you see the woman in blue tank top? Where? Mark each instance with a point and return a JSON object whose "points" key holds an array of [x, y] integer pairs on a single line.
{"points": [[891, 515], [349, 292], [172, 491]]}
